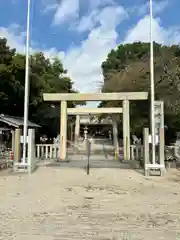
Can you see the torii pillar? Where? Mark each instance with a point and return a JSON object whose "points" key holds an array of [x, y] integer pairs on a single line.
{"points": [[115, 138], [63, 130], [77, 128], [126, 130]]}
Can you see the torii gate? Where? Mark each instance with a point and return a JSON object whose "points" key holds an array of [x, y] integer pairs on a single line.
{"points": [[125, 97], [85, 111]]}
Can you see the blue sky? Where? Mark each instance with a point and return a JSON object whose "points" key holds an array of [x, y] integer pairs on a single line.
{"points": [[82, 32]]}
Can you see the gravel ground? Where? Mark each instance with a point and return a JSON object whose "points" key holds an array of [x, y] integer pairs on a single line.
{"points": [[65, 203]]}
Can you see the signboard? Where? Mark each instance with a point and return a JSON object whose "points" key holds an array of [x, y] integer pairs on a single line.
{"points": [[159, 119], [159, 115]]}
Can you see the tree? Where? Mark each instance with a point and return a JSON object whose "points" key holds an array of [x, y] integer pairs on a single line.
{"points": [[45, 76], [127, 70]]}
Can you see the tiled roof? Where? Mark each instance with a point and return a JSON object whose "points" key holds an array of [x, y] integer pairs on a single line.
{"points": [[16, 121]]}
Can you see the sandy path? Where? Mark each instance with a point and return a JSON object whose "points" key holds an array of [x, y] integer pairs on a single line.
{"points": [[55, 204]]}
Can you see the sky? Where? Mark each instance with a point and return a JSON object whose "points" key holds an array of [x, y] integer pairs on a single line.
{"points": [[82, 32]]}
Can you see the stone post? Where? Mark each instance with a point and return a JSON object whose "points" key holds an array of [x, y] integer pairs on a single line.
{"points": [[161, 149], [17, 146], [31, 151], [146, 149], [72, 127], [126, 130], [115, 139], [63, 130], [13, 140], [77, 128]]}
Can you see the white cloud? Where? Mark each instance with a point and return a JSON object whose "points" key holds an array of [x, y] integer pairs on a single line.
{"points": [[66, 10], [14, 36], [141, 32], [109, 17], [84, 62], [87, 22], [51, 53], [50, 7]]}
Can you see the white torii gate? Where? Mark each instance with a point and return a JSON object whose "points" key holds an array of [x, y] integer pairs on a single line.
{"points": [[125, 97], [94, 111]]}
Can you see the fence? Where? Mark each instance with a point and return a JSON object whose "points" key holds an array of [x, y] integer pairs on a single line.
{"points": [[46, 151], [50, 151], [170, 152], [136, 152]]}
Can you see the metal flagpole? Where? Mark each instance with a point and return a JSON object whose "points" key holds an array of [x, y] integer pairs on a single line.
{"points": [[152, 86], [26, 95]]}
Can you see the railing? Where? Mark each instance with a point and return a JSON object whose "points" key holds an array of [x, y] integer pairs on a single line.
{"points": [[50, 151], [170, 152], [46, 151], [136, 152]]}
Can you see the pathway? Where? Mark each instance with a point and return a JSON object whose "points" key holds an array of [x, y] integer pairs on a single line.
{"points": [[65, 203]]}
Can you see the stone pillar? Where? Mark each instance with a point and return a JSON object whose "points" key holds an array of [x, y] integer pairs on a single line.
{"points": [[110, 137], [77, 128], [63, 130], [17, 146], [161, 147], [13, 140], [146, 149], [71, 136], [31, 151], [115, 139], [126, 130]]}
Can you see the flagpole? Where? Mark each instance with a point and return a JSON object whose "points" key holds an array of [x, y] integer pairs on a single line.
{"points": [[26, 94], [152, 86]]}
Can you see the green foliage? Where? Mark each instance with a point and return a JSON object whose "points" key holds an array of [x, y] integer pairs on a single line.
{"points": [[126, 69], [45, 76]]}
